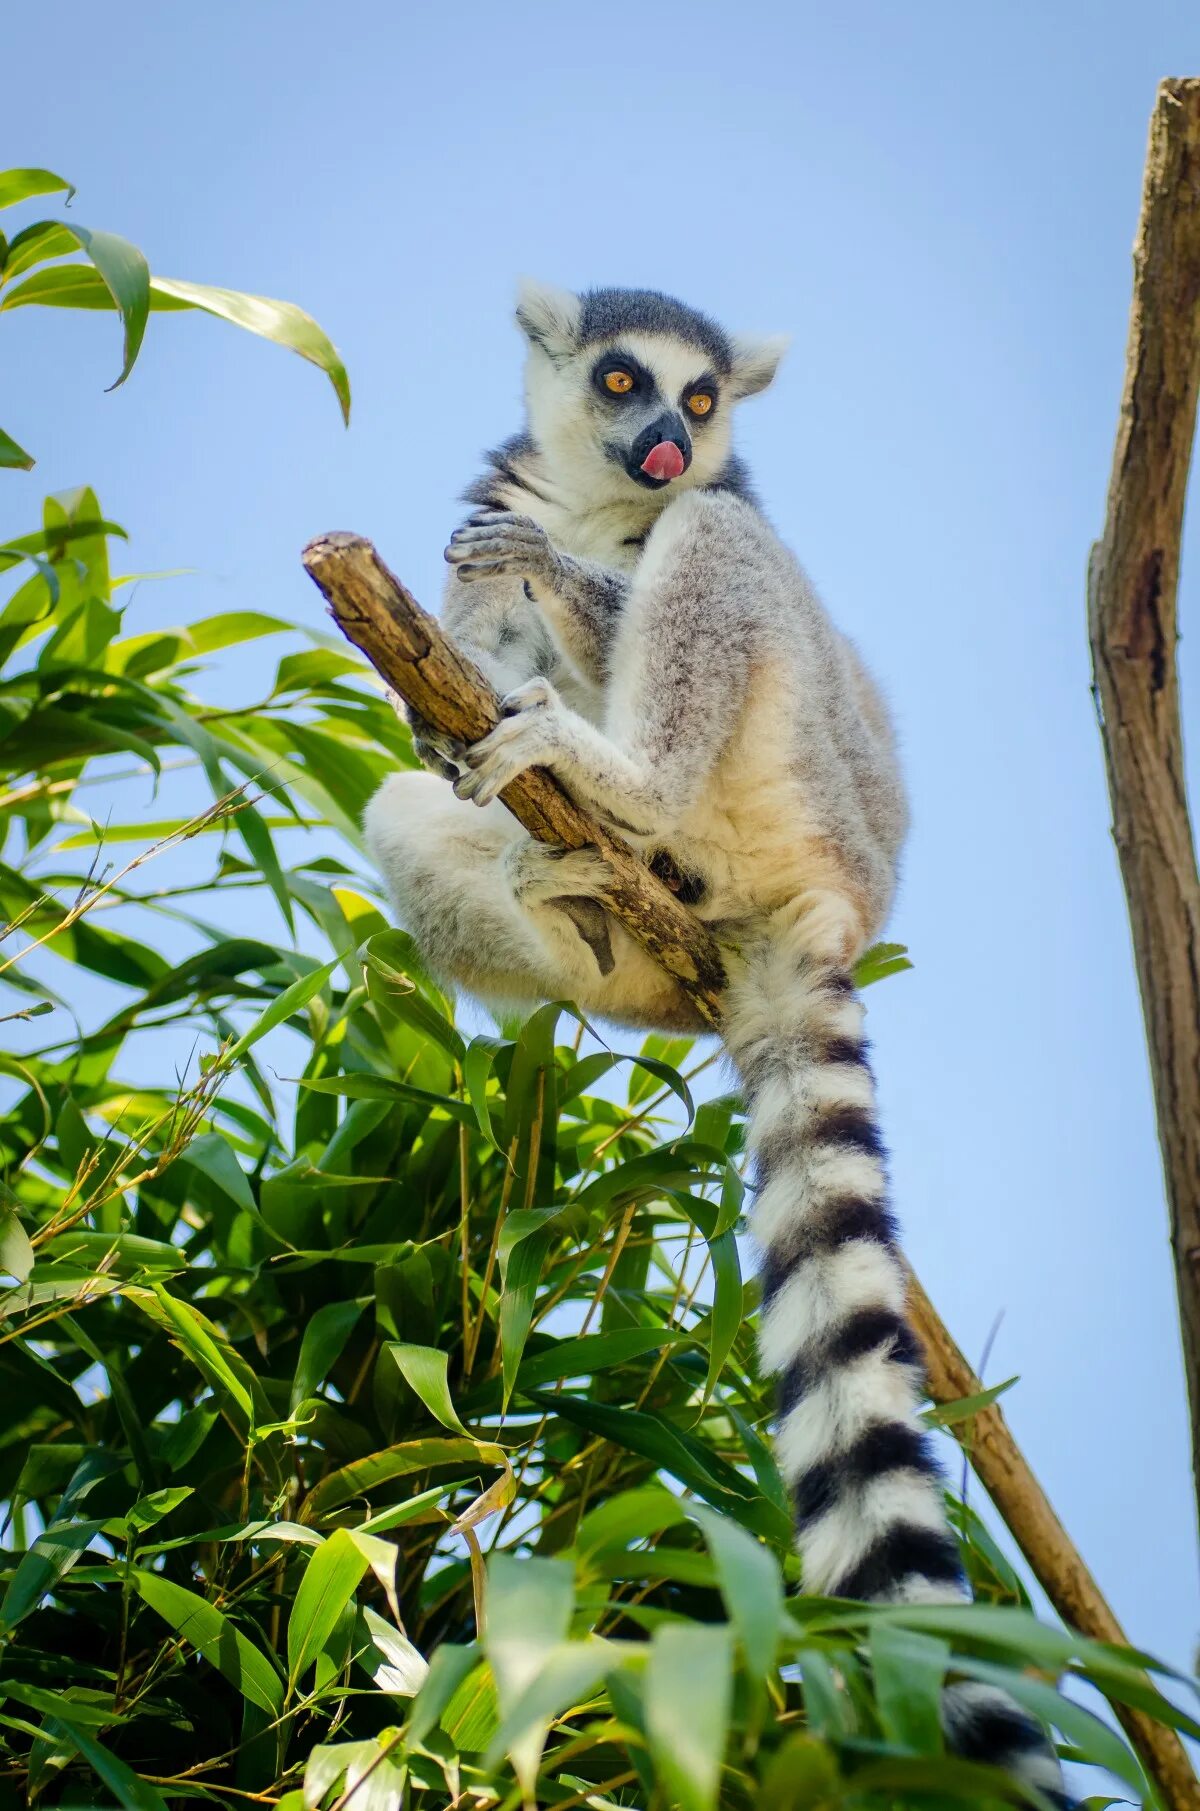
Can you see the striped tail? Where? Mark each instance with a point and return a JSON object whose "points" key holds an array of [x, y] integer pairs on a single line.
{"points": [[864, 1483]]}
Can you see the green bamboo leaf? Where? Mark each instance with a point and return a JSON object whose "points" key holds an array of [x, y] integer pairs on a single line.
{"points": [[595, 1352], [411, 1511], [659, 1061], [34, 245], [214, 1157], [281, 322], [130, 1790], [386, 1087], [391, 1660], [22, 185], [751, 1585], [477, 1066], [12, 456], [949, 1414], [120, 280], [367, 1474], [126, 276], [521, 1266], [909, 1670], [292, 1000], [800, 1776], [568, 1676], [683, 1456], [688, 1697], [629, 1516], [331, 1578], [880, 961], [325, 1337], [449, 1667], [529, 1606], [207, 1348], [212, 633], [64, 1704], [16, 1253], [47, 1561], [212, 1634], [725, 1322], [425, 1370], [73, 286]]}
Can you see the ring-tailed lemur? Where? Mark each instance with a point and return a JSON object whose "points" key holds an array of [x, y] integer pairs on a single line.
{"points": [[662, 652]]}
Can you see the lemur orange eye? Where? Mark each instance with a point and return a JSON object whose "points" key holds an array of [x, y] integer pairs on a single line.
{"points": [[700, 403], [619, 382]]}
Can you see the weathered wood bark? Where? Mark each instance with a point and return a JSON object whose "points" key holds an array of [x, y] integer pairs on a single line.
{"points": [[1132, 584], [409, 650]]}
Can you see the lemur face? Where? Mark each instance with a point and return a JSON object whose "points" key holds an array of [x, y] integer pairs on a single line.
{"points": [[632, 390]]}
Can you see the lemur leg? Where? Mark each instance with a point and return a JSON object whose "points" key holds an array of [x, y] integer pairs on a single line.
{"points": [[580, 600], [504, 916]]}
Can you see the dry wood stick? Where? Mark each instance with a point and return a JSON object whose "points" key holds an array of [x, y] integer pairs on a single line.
{"points": [[409, 650], [1133, 580]]}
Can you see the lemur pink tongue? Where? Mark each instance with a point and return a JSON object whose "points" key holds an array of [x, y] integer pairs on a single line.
{"points": [[663, 461]]}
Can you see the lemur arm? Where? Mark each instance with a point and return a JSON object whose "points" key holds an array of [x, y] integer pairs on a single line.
{"points": [[580, 600], [495, 624], [678, 680]]}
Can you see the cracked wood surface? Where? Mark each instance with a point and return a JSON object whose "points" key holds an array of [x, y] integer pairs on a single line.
{"points": [[1133, 580]]}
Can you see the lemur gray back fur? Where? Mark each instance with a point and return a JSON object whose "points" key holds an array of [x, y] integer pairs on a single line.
{"points": [[663, 653]]}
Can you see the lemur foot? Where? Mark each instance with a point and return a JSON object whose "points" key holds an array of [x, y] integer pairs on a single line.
{"points": [[572, 881], [526, 736], [497, 541], [539, 872]]}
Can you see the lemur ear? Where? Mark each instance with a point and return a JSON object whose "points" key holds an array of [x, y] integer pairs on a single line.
{"points": [[755, 362], [548, 317]]}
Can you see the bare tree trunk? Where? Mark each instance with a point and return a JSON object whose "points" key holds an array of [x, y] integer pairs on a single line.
{"points": [[1132, 583], [408, 648]]}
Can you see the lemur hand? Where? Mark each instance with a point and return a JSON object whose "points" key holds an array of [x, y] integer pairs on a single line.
{"points": [[435, 751], [496, 542], [526, 736]]}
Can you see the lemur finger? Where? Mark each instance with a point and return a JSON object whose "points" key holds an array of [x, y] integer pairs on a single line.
{"points": [[468, 573], [494, 546], [433, 760], [482, 788], [500, 519], [492, 516], [529, 696], [506, 731], [515, 531]]}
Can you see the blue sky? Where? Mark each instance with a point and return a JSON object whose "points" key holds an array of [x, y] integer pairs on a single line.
{"points": [[937, 203]]}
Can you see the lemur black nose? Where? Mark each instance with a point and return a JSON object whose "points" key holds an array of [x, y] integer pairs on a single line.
{"points": [[662, 451]]}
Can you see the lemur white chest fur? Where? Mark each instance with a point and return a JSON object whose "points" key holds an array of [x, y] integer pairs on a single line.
{"points": [[663, 653]]}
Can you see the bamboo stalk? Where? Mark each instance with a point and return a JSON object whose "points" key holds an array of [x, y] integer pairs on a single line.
{"points": [[409, 650]]}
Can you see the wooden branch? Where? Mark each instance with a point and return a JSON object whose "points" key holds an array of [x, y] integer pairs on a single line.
{"points": [[375, 611], [1133, 579], [1053, 1559], [409, 650]]}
